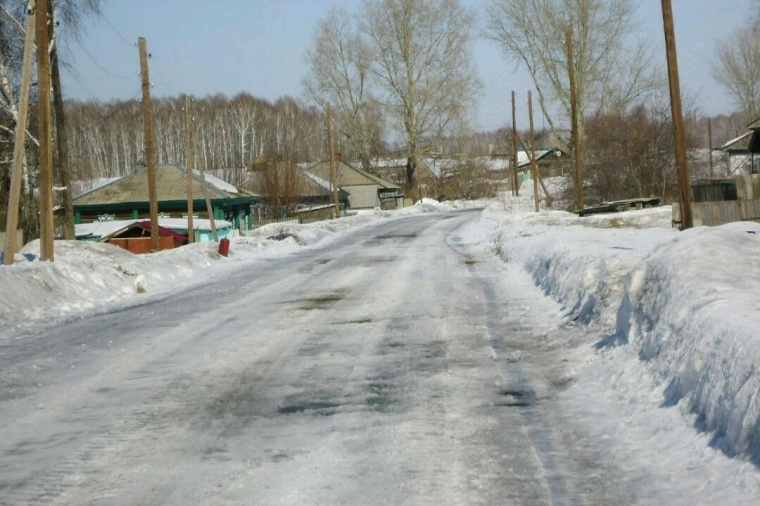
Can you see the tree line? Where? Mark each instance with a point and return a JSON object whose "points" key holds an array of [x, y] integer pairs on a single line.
{"points": [[106, 140]]}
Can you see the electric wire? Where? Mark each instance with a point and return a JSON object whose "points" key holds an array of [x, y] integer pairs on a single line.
{"points": [[92, 59]]}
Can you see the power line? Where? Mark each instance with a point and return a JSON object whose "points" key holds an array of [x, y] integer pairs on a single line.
{"points": [[92, 59], [117, 32]]}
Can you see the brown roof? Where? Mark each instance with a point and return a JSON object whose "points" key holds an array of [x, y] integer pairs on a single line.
{"points": [[171, 184], [349, 176]]}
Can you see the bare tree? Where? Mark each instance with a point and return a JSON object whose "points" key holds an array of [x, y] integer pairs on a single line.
{"points": [[613, 69], [339, 75], [736, 67], [423, 65]]}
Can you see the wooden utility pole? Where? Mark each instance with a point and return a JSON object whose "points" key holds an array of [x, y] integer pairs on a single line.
{"points": [[533, 166], [209, 207], [515, 182], [46, 144], [333, 171], [710, 146], [675, 106], [577, 144], [190, 154], [538, 174], [61, 138], [14, 196], [150, 150]]}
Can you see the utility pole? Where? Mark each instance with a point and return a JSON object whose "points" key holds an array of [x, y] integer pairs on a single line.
{"points": [[333, 171], [533, 166], [577, 145], [19, 142], [675, 105], [46, 145], [150, 150], [209, 207], [190, 153], [515, 182], [710, 145], [61, 137]]}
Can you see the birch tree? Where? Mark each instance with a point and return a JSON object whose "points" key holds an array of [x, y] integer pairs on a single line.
{"points": [[736, 67], [613, 65], [422, 64], [339, 75]]}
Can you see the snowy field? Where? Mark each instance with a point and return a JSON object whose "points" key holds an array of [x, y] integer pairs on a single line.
{"points": [[666, 323]]}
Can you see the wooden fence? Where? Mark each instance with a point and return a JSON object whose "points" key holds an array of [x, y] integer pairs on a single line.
{"points": [[718, 213]]}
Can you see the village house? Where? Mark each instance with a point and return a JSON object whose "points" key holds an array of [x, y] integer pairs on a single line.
{"points": [[127, 198], [365, 191]]}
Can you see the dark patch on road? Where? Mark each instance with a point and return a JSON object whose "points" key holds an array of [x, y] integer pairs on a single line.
{"points": [[515, 398], [380, 397], [309, 268], [320, 301], [311, 348], [369, 261], [322, 408], [378, 239], [359, 321], [395, 236]]}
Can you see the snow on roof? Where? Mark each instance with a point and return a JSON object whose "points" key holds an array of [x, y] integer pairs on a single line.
{"points": [[85, 185], [104, 228], [221, 184], [321, 182], [735, 140]]}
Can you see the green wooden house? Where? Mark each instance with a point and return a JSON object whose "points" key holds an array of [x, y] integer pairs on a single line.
{"points": [[127, 198]]}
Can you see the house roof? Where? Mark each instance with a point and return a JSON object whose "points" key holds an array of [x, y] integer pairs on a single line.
{"points": [[754, 124], [740, 143], [431, 165], [109, 228], [171, 185], [349, 176]]}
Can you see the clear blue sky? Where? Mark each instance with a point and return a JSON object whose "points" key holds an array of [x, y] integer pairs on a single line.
{"points": [[201, 47]]}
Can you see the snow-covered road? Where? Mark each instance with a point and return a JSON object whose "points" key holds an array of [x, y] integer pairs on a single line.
{"points": [[400, 365]]}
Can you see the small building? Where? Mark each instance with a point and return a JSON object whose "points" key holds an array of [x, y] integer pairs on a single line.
{"points": [[288, 190], [738, 153], [171, 228], [127, 198], [365, 191], [393, 170], [719, 201]]}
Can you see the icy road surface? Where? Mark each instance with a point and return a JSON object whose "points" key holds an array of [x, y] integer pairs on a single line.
{"points": [[401, 366]]}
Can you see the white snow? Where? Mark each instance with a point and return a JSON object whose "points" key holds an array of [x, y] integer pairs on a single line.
{"points": [[670, 353]]}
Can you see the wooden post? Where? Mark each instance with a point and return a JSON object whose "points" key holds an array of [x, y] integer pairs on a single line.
{"points": [[190, 154], [62, 138], [538, 174], [533, 167], [577, 145], [46, 144], [710, 146], [333, 171], [18, 144], [209, 208], [675, 105], [515, 181], [150, 150]]}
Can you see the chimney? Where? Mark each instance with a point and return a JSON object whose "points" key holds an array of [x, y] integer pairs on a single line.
{"points": [[336, 156]]}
